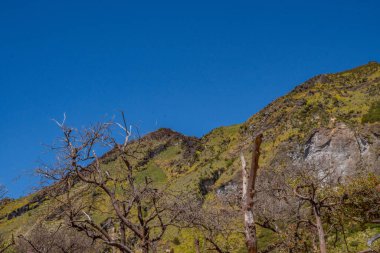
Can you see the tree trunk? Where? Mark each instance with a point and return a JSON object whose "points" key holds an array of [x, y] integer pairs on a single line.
{"points": [[145, 242], [321, 232], [145, 248], [196, 244], [249, 182]]}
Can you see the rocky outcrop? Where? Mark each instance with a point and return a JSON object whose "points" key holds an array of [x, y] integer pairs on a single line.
{"points": [[342, 149]]}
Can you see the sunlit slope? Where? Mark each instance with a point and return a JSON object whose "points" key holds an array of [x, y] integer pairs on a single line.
{"points": [[342, 106]]}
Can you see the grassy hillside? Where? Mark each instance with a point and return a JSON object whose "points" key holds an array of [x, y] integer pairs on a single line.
{"points": [[208, 164]]}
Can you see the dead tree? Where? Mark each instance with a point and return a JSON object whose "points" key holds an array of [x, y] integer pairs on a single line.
{"points": [[3, 198], [248, 193], [3, 191], [58, 239], [216, 220], [317, 206], [316, 189], [139, 212]]}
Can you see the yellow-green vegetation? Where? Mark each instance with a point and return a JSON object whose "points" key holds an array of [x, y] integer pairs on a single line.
{"points": [[153, 172], [373, 114]]}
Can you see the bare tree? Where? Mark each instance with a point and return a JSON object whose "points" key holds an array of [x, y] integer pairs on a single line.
{"points": [[54, 239], [3, 198], [249, 183], [217, 220], [137, 213], [3, 191], [361, 204], [316, 188], [277, 211], [287, 200]]}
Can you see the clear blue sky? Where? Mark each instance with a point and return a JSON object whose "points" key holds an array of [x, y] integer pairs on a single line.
{"points": [[188, 65]]}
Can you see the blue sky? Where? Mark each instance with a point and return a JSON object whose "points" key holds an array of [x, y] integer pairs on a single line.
{"points": [[188, 65]]}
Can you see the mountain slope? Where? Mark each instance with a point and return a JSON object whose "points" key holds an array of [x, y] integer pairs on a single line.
{"points": [[331, 117]]}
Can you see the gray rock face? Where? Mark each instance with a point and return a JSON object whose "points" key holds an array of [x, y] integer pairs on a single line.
{"points": [[343, 150]]}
